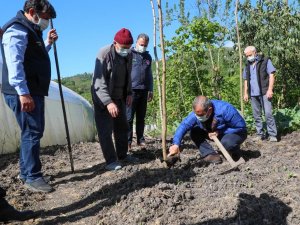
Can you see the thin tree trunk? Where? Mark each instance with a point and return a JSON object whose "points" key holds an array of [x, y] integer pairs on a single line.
{"points": [[197, 75], [240, 56], [156, 61], [214, 68], [163, 86]]}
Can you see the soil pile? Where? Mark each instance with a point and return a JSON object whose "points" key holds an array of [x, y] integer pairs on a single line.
{"points": [[265, 190]]}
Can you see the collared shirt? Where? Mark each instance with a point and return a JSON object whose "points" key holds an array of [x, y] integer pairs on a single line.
{"points": [[255, 91], [15, 40]]}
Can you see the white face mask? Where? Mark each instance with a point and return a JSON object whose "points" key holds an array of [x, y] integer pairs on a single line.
{"points": [[202, 118], [122, 51], [42, 23], [251, 58], [140, 48]]}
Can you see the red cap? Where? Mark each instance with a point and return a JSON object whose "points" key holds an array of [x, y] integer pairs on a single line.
{"points": [[124, 37]]}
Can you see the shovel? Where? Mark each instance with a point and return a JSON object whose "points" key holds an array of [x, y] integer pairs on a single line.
{"points": [[233, 164]]}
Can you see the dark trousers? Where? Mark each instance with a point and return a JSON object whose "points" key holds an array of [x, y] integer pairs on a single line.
{"points": [[138, 107], [231, 142], [32, 126], [106, 125]]}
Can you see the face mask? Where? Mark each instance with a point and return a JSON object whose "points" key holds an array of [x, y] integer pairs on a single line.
{"points": [[251, 58], [140, 48], [202, 118], [42, 23], [122, 51]]}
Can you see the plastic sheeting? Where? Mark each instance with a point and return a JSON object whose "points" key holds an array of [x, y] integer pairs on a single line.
{"points": [[79, 115]]}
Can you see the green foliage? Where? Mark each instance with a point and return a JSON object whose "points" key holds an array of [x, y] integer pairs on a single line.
{"points": [[287, 120], [80, 83], [274, 28]]}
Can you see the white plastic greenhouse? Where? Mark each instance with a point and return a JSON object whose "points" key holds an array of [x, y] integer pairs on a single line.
{"points": [[79, 114]]}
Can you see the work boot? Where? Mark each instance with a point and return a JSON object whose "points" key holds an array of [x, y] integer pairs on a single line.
{"points": [[259, 137], [38, 185], [46, 179], [10, 214], [212, 158]]}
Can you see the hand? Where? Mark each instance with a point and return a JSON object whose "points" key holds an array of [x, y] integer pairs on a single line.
{"points": [[150, 96], [113, 109], [210, 135], [173, 150], [27, 103], [52, 36], [269, 94], [129, 100], [246, 97]]}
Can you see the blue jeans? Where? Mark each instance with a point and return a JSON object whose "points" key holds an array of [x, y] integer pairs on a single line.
{"points": [[32, 126], [138, 107], [231, 142], [259, 104]]}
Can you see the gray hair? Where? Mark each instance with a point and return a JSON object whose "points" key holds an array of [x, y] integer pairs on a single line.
{"points": [[250, 48], [202, 101], [143, 36]]}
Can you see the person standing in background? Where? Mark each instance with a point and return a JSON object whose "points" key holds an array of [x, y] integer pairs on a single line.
{"points": [[259, 76], [142, 89]]}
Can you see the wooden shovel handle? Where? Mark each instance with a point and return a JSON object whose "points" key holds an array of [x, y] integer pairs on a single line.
{"points": [[223, 150]]}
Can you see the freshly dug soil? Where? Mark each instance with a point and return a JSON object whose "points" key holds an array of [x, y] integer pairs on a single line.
{"points": [[265, 190]]}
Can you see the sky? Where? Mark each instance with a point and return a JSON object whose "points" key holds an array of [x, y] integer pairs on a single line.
{"points": [[86, 26]]}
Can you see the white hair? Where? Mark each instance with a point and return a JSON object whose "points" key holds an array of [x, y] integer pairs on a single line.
{"points": [[250, 49]]}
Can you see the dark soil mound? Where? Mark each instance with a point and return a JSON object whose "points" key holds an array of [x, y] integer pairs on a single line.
{"points": [[265, 190]]}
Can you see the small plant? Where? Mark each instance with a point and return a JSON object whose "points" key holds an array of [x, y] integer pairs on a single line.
{"points": [[291, 175]]}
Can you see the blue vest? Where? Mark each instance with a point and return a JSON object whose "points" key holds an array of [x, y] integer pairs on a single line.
{"points": [[36, 63]]}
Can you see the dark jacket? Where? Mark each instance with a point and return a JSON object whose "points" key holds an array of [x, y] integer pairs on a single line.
{"points": [[36, 63], [141, 74], [226, 118], [262, 75], [104, 75]]}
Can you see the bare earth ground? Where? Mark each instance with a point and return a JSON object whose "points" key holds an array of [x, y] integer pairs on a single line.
{"points": [[266, 190]]}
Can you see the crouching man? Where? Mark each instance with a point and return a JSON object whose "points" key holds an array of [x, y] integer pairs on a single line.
{"points": [[211, 118]]}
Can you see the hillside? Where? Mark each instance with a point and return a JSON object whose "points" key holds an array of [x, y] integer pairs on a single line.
{"points": [[80, 83], [265, 191]]}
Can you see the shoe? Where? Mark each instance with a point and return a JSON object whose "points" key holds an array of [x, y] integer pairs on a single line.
{"points": [[46, 179], [212, 158], [142, 144], [259, 137], [129, 147], [9, 214], [273, 139], [113, 166], [130, 159], [39, 185]]}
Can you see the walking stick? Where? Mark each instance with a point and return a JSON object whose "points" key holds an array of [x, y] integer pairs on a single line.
{"points": [[62, 101]]}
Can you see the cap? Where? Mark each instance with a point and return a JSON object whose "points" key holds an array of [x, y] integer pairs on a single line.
{"points": [[124, 37]]}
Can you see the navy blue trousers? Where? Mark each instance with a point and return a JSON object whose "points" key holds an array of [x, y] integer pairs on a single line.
{"points": [[231, 142], [138, 108]]}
